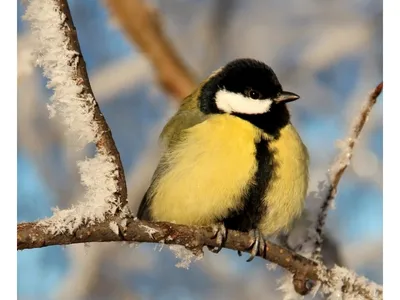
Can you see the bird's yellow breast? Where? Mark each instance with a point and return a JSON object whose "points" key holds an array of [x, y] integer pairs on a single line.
{"points": [[209, 171], [288, 187]]}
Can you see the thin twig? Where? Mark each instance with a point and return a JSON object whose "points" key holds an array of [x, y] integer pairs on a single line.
{"points": [[142, 25], [340, 165], [194, 238]]}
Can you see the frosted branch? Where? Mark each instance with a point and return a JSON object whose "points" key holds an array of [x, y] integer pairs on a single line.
{"points": [[142, 25], [194, 238], [58, 53], [329, 190]]}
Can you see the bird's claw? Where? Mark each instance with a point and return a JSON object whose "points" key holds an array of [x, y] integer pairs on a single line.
{"points": [[220, 235], [258, 246]]}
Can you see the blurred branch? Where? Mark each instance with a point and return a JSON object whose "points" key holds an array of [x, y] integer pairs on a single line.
{"points": [[85, 279], [194, 238], [83, 272], [127, 74], [141, 24], [334, 43], [340, 165]]}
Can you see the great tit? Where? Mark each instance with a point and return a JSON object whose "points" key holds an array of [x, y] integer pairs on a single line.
{"points": [[231, 158]]}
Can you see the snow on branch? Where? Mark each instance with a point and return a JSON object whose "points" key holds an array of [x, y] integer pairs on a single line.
{"points": [[58, 53], [142, 25], [328, 190], [194, 238]]}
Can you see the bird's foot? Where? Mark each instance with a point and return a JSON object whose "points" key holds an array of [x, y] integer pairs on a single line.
{"points": [[220, 234], [258, 246]]}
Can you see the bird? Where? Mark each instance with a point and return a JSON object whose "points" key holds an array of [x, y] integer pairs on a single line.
{"points": [[231, 158]]}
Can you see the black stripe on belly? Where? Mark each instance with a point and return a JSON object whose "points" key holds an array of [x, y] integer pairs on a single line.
{"points": [[254, 207]]}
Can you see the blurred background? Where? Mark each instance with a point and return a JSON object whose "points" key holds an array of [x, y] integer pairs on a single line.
{"points": [[329, 52]]}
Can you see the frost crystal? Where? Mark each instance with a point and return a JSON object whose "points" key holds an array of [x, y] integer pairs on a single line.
{"points": [[306, 246], [287, 288], [59, 64], [343, 159], [97, 175], [150, 231], [341, 277], [336, 295], [271, 266], [159, 246], [134, 245], [186, 256], [124, 223], [114, 227]]}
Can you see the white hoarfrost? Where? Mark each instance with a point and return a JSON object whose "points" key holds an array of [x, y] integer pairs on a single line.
{"points": [[98, 176], [59, 65], [287, 288], [304, 234], [150, 231], [114, 227], [337, 295], [340, 277], [124, 223], [343, 159], [271, 266], [76, 110], [356, 287], [159, 246], [184, 255]]}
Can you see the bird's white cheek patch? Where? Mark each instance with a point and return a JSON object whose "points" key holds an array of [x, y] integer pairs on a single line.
{"points": [[230, 102]]}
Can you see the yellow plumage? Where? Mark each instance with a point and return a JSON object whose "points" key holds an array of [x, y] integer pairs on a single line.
{"points": [[209, 172], [288, 186], [247, 170]]}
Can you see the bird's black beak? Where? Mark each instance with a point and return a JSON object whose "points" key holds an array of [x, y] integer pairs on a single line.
{"points": [[285, 97]]}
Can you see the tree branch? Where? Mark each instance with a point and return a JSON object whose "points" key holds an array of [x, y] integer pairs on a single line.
{"points": [[105, 143], [194, 238], [142, 26], [340, 165]]}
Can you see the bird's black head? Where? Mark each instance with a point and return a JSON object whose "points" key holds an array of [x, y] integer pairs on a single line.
{"points": [[249, 89]]}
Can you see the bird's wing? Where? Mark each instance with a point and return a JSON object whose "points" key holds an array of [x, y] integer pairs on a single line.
{"points": [[186, 117], [176, 126]]}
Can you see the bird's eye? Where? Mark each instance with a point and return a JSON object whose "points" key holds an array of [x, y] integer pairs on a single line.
{"points": [[253, 94]]}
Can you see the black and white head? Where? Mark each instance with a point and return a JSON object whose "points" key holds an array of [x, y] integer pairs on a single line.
{"points": [[249, 89]]}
